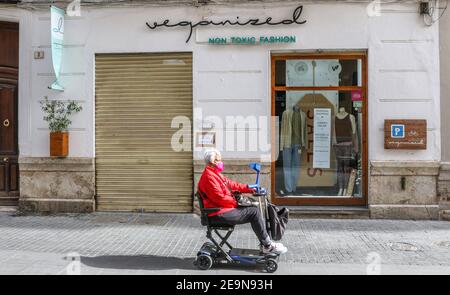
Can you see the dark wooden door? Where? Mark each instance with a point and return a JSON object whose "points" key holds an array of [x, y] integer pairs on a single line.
{"points": [[9, 152]]}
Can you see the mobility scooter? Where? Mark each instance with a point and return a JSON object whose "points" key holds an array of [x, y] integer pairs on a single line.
{"points": [[215, 253]]}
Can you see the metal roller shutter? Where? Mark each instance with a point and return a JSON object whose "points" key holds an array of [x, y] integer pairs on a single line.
{"points": [[137, 96]]}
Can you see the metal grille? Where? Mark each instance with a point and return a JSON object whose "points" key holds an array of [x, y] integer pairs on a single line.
{"points": [[137, 96]]}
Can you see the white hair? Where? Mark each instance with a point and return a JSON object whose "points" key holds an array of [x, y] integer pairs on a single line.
{"points": [[210, 155]]}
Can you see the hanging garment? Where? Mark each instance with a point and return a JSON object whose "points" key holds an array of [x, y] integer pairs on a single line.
{"points": [[293, 138], [299, 128], [291, 167], [278, 219], [286, 129], [343, 129]]}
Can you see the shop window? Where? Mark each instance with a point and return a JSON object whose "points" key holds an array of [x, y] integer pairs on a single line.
{"points": [[320, 107], [317, 73]]}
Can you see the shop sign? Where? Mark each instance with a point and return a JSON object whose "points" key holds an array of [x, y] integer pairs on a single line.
{"points": [[405, 134], [237, 22], [57, 42], [357, 95], [251, 40]]}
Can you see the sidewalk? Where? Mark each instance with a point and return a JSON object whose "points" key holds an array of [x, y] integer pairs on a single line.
{"points": [[119, 243]]}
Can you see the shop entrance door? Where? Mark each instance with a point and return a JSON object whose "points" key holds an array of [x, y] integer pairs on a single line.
{"points": [[321, 104], [9, 65]]}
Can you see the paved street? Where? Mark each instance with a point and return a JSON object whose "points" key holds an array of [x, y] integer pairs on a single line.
{"points": [[120, 243]]}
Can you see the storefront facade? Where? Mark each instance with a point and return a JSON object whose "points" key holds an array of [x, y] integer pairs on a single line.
{"points": [[336, 71], [444, 174]]}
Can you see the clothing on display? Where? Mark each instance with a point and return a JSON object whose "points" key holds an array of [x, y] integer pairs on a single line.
{"points": [[344, 147], [286, 129], [293, 139], [344, 132], [291, 167], [293, 128], [298, 135], [343, 153]]}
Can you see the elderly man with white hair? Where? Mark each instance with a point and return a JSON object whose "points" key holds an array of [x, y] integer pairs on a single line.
{"points": [[218, 190]]}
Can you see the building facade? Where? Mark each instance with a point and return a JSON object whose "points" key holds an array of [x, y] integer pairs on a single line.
{"points": [[307, 89], [444, 175]]}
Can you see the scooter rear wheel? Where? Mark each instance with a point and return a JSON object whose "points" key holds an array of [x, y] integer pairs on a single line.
{"points": [[204, 262], [271, 265]]}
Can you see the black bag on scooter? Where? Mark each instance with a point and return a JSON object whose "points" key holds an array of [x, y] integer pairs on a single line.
{"points": [[278, 219], [242, 200]]}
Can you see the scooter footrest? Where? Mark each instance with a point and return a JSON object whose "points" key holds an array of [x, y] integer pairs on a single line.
{"points": [[245, 252]]}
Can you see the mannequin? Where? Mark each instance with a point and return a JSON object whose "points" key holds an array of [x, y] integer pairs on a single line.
{"points": [[344, 144], [342, 114], [293, 139]]}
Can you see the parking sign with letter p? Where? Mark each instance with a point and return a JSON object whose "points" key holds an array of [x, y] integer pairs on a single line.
{"points": [[398, 131]]}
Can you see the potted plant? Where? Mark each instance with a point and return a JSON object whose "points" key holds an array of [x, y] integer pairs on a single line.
{"points": [[57, 115]]}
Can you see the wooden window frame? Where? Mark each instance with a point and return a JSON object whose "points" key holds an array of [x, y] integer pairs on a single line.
{"points": [[322, 200]]}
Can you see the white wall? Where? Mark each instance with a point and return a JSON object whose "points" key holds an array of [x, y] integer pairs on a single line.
{"points": [[444, 36], [235, 80]]}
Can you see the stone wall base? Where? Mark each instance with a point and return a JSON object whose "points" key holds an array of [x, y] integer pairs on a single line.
{"points": [[56, 206], [415, 212], [404, 189], [444, 181], [57, 185]]}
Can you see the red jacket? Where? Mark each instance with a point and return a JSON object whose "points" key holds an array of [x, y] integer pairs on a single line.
{"points": [[218, 190]]}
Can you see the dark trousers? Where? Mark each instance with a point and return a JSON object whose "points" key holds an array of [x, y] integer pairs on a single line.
{"points": [[343, 156], [243, 215]]}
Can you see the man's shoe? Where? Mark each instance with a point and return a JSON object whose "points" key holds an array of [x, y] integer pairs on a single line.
{"points": [[276, 248]]}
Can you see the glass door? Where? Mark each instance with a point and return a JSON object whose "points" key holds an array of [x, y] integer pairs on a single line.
{"points": [[319, 101]]}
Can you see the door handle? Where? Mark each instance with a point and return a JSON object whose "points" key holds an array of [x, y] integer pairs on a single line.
{"points": [[6, 123], [6, 160]]}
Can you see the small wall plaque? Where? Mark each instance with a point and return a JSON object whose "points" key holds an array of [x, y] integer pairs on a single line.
{"points": [[405, 134], [206, 139]]}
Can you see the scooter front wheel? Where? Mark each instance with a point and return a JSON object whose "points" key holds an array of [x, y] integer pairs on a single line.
{"points": [[204, 262], [271, 265]]}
